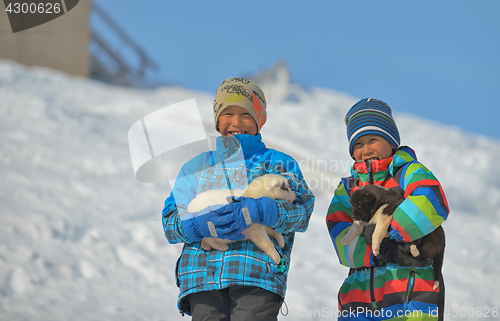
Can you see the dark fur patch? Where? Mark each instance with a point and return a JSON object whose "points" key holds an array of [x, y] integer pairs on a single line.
{"points": [[368, 199]]}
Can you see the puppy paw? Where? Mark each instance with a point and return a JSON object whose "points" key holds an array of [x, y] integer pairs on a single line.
{"points": [[205, 245], [209, 243], [414, 251], [351, 234], [345, 240], [276, 235]]}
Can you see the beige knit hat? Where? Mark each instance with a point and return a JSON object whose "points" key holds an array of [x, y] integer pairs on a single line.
{"points": [[243, 93]]}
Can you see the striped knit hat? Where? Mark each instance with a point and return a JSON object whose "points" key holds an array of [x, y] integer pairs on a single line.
{"points": [[243, 93], [371, 117]]}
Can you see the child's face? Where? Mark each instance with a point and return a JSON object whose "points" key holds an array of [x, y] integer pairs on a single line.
{"points": [[371, 147], [235, 120]]}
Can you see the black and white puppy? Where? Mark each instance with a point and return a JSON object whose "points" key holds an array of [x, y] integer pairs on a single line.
{"points": [[373, 204]]}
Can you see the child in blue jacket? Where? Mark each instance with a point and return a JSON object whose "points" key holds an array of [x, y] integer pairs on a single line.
{"points": [[243, 282]]}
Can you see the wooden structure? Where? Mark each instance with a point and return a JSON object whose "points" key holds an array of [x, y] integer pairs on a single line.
{"points": [[60, 44], [69, 43], [108, 62]]}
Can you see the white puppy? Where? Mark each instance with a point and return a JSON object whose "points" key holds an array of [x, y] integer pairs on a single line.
{"points": [[270, 185]]}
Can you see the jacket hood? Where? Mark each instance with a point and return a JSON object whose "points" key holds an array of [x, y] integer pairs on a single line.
{"points": [[235, 145]]}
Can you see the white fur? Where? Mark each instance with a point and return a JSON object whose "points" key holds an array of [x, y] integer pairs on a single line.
{"points": [[212, 197], [381, 221], [355, 230], [266, 185]]}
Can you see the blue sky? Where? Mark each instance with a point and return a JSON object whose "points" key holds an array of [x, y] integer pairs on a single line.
{"points": [[436, 59]]}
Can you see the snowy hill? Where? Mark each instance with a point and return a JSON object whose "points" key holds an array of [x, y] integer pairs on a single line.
{"points": [[81, 238]]}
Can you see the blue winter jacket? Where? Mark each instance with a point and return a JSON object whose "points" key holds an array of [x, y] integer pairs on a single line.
{"points": [[236, 162]]}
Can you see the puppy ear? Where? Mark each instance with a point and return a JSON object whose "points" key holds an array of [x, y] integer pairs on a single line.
{"points": [[284, 185], [275, 183]]}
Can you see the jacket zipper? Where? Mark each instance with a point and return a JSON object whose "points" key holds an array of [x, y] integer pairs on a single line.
{"points": [[370, 173], [372, 290], [372, 269], [411, 285]]}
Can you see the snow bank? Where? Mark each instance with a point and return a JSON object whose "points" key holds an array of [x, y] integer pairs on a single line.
{"points": [[81, 238]]}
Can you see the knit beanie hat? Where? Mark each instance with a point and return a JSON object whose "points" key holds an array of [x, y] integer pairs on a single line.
{"points": [[243, 93], [371, 117]]}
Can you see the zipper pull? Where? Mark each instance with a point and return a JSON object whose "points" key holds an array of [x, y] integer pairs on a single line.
{"points": [[281, 266], [411, 284], [370, 172]]}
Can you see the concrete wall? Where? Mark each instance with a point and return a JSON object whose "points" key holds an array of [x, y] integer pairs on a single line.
{"points": [[61, 44]]}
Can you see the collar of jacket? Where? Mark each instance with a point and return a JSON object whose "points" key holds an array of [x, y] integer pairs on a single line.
{"points": [[248, 144], [403, 155]]}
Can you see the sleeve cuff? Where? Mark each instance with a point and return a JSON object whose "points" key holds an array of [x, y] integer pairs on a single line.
{"points": [[394, 235]]}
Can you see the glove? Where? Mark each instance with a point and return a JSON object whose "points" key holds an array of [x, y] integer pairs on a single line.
{"points": [[368, 233], [399, 253], [382, 256], [394, 252], [232, 219], [198, 225]]}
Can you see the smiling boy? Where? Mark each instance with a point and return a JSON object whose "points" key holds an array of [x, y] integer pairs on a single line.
{"points": [[242, 283], [393, 284], [235, 120], [372, 147]]}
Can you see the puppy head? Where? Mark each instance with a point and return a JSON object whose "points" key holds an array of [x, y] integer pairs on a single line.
{"points": [[362, 203], [271, 185], [281, 190]]}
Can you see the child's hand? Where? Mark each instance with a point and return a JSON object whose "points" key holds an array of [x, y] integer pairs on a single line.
{"points": [[232, 219], [198, 225], [400, 253]]}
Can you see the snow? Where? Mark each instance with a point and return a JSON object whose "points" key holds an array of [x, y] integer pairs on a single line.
{"points": [[81, 237]]}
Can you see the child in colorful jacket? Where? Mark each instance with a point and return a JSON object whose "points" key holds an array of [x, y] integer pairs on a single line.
{"points": [[243, 282], [393, 285]]}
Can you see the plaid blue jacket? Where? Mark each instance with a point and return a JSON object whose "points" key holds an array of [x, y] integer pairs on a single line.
{"points": [[235, 163]]}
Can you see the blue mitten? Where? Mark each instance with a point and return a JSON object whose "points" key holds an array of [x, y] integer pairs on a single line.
{"points": [[198, 225], [233, 218]]}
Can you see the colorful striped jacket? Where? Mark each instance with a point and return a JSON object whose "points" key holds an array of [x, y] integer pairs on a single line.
{"points": [[391, 288], [243, 264]]}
